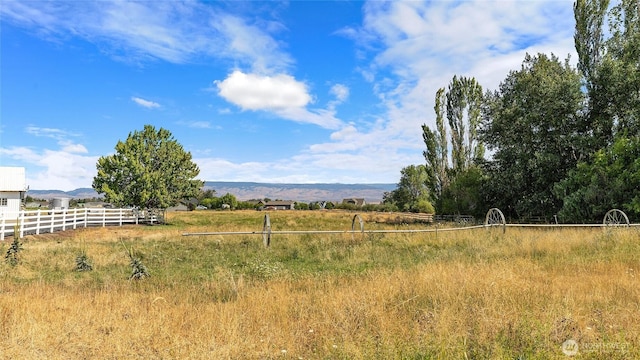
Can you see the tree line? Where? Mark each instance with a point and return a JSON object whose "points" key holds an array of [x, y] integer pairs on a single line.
{"points": [[552, 140]]}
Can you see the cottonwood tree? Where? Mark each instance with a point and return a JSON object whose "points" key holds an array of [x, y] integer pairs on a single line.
{"points": [[531, 124], [437, 153], [150, 169], [610, 66], [461, 106], [620, 67], [589, 39]]}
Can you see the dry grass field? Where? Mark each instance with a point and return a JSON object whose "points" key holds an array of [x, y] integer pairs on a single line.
{"points": [[473, 294]]}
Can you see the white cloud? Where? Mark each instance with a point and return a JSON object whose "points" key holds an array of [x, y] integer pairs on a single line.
{"points": [[62, 169], [305, 168], [279, 94], [257, 92], [145, 103], [69, 147], [250, 43], [66, 168], [177, 32], [321, 117], [20, 153], [199, 124], [346, 133], [340, 91], [52, 133], [433, 41]]}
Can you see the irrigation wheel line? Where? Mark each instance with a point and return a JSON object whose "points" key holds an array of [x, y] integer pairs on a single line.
{"points": [[267, 234], [494, 218], [301, 232]]}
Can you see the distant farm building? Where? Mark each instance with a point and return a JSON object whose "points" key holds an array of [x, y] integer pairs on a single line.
{"points": [[355, 201], [13, 186], [280, 205], [59, 203]]}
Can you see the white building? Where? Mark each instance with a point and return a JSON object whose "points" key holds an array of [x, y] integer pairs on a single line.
{"points": [[13, 186]]}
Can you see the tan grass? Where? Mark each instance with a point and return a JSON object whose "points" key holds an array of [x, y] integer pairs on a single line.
{"points": [[502, 296]]}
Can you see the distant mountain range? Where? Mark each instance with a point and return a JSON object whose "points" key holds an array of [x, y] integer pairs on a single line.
{"points": [[372, 193]]}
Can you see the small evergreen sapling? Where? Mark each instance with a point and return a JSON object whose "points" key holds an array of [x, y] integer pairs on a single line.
{"points": [[82, 261], [11, 257], [138, 270]]}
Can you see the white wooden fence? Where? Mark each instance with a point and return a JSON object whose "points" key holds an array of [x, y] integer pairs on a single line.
{"points": [[47, 221]]}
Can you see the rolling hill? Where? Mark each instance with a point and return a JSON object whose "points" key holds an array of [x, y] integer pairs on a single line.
{"points": [[372, 193]]}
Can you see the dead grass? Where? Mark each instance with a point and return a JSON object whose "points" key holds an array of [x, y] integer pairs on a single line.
{"points": [[471, 294]]}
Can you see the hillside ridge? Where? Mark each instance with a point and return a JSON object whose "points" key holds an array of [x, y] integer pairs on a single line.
{"points": [[372, 193]]}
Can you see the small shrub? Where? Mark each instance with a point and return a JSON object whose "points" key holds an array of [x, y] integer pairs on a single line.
{"points": [[138, 270], [11, 257], [82, 262]]}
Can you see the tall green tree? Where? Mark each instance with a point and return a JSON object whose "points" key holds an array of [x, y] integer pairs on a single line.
{"points": [[588, 38], [609, 60], [436, 153], [458, 115], [621, 67], [531, 125], [610, 65], [589, 43], [230, 200], [463, 104], [148, 170]]}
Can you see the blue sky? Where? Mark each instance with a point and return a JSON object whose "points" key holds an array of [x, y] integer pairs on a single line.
{"points": [[288, 92]]}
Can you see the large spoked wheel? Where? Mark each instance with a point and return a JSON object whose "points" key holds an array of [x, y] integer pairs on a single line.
{"points": [[495, 217], [615, 217]]}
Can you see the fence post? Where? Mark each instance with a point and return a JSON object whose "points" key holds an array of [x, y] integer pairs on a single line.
{"points": [[266, 231], [104, 217], [53, 218], [39, 213], [86, 217], [21, 223], [75, 218], [2, 227], [64, 220]]}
